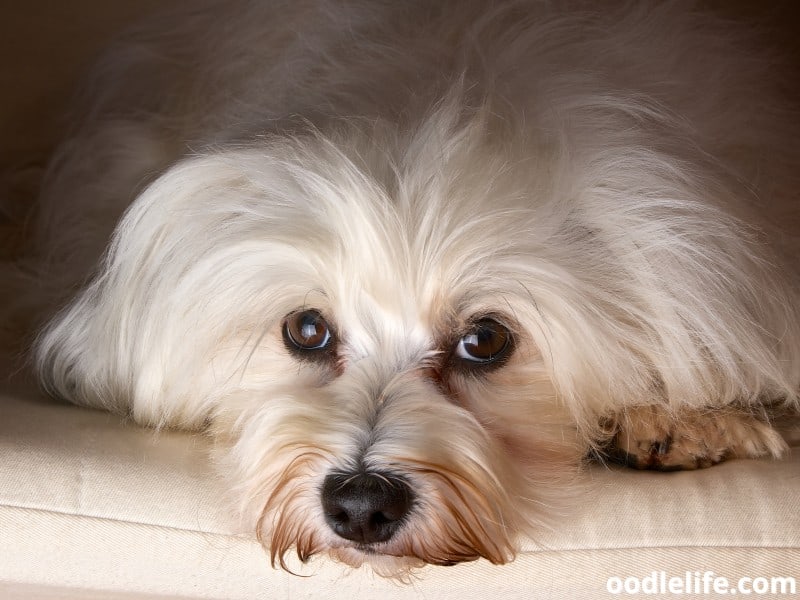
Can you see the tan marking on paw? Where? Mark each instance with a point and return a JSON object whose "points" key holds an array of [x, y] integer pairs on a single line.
{"points": [[656, 437]]}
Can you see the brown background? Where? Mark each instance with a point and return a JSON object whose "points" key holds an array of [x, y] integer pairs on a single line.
{"points": [[46, 44]]}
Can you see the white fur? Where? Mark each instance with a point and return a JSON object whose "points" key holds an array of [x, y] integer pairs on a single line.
{"points": [[606, 179]]}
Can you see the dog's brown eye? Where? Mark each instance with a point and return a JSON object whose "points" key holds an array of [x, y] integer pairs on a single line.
{"points": [[306, 331], [488, 341]]}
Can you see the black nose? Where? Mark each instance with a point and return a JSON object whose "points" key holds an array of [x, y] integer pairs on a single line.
{"points": [[365, 507]]}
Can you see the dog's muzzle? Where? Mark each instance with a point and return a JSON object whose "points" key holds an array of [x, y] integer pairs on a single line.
{"points": [[365, 508]]}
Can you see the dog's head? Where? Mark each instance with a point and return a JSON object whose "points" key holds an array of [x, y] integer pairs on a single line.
{"points": [[367, 328]]}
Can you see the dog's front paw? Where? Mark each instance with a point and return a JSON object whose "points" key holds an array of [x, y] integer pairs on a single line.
{"points": [[656, 437]]}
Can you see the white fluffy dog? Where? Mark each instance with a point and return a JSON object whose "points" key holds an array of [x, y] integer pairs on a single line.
{"points": [[409, 263]]}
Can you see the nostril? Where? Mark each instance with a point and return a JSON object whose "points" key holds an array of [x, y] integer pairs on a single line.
{"points": [[365, 507]]}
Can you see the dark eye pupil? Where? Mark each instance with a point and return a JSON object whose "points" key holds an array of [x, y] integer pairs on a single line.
{"points": [[487, 342], [306, 330]]}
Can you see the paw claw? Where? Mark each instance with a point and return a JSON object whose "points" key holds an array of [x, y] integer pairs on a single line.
{"points": [[661, 447]]}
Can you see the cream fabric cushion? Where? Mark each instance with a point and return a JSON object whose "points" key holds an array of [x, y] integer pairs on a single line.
{"points": [[93, 508]]}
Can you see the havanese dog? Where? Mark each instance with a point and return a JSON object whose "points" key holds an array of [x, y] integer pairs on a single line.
{"points": [[410, 264]]}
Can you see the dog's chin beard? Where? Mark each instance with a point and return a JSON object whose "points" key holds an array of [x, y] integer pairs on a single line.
{"points": [[386, 559], [385, 565]]}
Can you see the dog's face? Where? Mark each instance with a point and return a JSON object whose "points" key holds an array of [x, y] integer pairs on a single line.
{"points": [[394, 406], [383, 432], [361, 337]]}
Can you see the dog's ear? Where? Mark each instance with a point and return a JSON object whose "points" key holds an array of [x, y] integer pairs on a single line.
{"points": [[138, 337]]}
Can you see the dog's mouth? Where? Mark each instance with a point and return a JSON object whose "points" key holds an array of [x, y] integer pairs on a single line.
{"points": [[389, 551]]}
